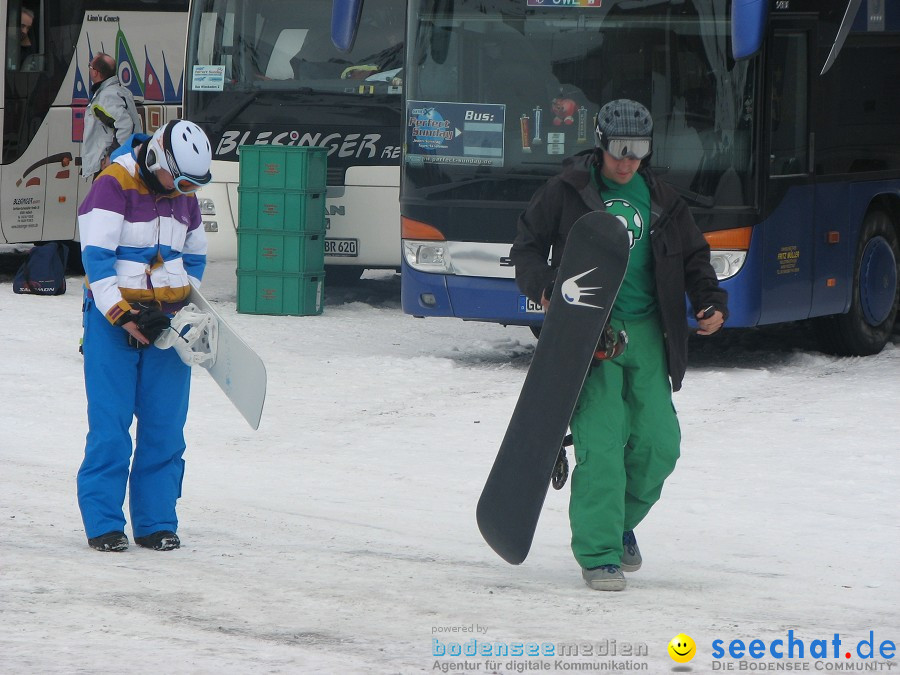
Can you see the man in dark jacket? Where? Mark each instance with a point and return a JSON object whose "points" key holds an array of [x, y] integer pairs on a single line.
{"points": [[626, 433]]}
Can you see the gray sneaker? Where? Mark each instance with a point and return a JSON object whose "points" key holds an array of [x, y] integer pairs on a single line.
{"points": [[604, 578], [631, 554]]}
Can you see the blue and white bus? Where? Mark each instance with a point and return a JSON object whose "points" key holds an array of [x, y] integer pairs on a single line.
{"points": [[775, 119], [46, 89]]}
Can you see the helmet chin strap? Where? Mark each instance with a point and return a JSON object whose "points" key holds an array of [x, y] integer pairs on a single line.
{"points": [[148, 176]]}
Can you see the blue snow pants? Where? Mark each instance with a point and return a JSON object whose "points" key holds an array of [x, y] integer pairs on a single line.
{"points": [[123, 383]]}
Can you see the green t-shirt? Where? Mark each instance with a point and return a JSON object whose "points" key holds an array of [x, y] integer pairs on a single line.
{"points": [[630, 203]]}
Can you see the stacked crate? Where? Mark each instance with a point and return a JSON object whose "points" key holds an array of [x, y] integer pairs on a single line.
{"points": [[281, 230]]}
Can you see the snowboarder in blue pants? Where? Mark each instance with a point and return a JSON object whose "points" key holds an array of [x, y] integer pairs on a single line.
{"points": [[142, 243]]}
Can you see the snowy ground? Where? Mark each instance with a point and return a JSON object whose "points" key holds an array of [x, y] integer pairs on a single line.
{"points": [[340, 537]]}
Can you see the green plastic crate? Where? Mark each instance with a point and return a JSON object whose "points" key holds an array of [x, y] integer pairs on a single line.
{"points": [[280, 294], [287, 210], [283, 167], [284, 252]]}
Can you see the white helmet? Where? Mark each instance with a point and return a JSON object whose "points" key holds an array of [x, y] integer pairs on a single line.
{"points": [[181, 148]]}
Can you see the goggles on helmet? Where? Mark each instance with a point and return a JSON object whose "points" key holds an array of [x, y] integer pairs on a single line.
{"points": [[621, 147], [157, 159]]}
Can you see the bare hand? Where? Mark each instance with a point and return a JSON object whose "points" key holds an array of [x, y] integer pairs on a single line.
{"points": [[711, 324], [135, 332]]}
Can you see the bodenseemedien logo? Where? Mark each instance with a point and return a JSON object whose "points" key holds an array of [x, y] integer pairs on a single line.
{"points": [[483, 655]]}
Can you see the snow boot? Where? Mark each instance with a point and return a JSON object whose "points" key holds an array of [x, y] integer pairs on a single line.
{"points": [[164, 540], [111, 541], [631, 554], [604, 578]]}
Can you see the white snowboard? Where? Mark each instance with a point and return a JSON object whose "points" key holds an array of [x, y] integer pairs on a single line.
{"points": [[237, 369]]}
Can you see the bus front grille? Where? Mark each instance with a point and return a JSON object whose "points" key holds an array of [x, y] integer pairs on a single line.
{"points": [[335, 176]]}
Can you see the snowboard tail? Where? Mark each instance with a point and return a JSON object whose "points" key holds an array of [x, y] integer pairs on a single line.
{"points": [[237, 369], [588, 280]]}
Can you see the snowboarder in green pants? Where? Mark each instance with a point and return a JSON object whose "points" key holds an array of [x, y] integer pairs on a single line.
{"points": [[625, 429]]}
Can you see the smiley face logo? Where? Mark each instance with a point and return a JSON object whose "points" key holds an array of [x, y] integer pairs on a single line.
{"points": [[682, 648]]}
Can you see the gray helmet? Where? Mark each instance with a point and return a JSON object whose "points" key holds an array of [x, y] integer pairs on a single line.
{"points": [[623, 118]]}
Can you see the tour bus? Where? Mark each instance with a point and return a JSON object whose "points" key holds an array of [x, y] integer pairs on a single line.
{"points": [[268, 72], [46, 89], [776, 120]]}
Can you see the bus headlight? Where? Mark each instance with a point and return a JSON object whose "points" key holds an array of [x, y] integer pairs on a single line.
{"points": [[727, 263], [427, 256]]}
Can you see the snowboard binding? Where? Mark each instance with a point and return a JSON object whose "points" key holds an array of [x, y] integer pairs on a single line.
{"points": [[611, 344], [193, 333], [561, 468]]}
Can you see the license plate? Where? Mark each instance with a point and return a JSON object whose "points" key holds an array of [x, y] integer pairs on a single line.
{"points": [[527, 306], [342, 248]]}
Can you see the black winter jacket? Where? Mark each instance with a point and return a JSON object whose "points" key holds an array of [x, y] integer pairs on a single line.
{"points": [[680, 252]]}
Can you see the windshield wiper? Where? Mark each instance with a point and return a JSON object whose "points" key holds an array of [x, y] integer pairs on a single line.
{"points": [[695, 197], [705, 201], [234, 111]]}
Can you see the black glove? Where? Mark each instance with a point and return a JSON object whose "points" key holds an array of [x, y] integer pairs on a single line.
{"points": [[150, 320]]}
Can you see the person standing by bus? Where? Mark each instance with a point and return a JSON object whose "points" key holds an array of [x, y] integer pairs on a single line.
{"points": [[110, 118], [625, 430], [142, 243]]}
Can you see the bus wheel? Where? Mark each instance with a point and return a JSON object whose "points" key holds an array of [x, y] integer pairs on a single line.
{"points": [[866, 328]]}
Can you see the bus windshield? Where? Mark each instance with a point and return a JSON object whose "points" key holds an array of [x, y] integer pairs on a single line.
{"points": [[263, 71], [279, 45], [511, 90]]}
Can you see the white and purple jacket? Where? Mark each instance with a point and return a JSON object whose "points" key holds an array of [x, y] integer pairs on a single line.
{"points": [[137, 246]]}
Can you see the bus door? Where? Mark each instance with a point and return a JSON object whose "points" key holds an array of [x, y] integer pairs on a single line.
{"points": [[24, 147], [63, 176], [788, 266]]}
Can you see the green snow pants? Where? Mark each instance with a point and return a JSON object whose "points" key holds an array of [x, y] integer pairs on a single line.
{"points": [[627, 441]]}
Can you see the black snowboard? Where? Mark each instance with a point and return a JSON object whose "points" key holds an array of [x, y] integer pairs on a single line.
{"points": [[588, 280]]}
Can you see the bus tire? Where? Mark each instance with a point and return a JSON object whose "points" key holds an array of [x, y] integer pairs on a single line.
{"points": [[867, 326]]}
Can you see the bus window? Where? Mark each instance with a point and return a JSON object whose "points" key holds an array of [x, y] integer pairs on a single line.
{"points": [[287, 46], [267, 44], [789, 132], [23, 38]]}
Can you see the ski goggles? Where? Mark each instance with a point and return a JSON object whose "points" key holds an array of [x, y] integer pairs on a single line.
{"points": [[157, 159], [621, 147]]}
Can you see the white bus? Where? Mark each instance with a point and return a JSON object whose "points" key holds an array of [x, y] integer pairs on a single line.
{"points": [[267, 72], [46, 89]]}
